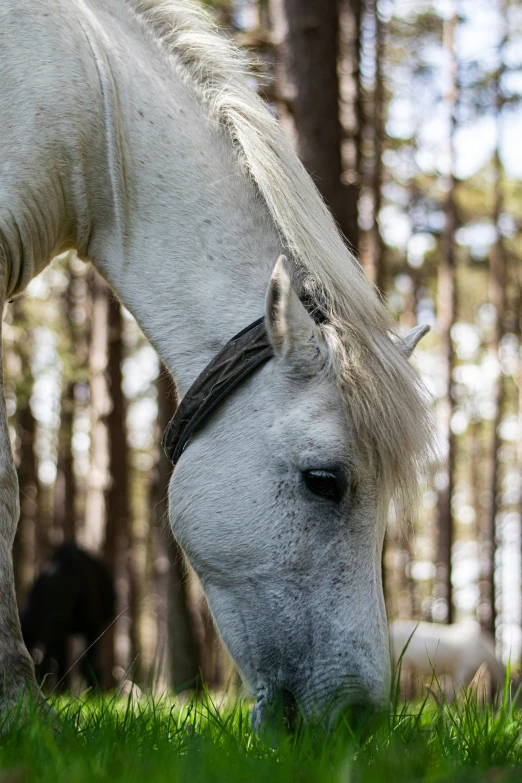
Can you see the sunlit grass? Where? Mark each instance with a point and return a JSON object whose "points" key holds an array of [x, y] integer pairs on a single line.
{"points": [[116, 739]]}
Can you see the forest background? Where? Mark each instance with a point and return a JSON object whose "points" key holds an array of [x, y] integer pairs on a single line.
{"points": [[408, 114]]}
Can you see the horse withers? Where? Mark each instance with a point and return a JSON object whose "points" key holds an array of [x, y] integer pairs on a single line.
{"points": [[73, 596]]}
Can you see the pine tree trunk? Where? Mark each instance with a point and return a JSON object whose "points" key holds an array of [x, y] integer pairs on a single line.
{"points": [[65, 488], [306, 36], [92, 533], [24, 545], [379, 258], [477, 482], [44, 524], [351, 114], [25, 539], [76, 475], [118, 544], [177, 651], [517, 285], [94, 527], [498, 272], [447, 313]]}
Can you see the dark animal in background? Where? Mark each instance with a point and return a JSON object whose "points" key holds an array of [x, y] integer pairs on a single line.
{"points": [[74, 595]]}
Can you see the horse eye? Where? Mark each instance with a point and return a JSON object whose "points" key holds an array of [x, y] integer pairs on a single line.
{"points": [[323, 483]]}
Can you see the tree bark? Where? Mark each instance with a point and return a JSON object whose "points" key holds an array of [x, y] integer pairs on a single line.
{"points": [[118, 549], [498, 271], [351, 115], [93, 532], [447, 313], [65, 488], [379, 248], [177, 651], [25, 539], [24, 545], [65, 491], [306, 37]]}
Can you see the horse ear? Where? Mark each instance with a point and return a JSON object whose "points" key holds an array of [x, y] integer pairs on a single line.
{"points": [[411, 338], [287, 322]]}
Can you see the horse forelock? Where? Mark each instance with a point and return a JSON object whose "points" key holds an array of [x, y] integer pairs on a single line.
{"points": [[385, 399]]}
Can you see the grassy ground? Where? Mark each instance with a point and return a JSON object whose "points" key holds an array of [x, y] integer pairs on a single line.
{"points": [[114, 740]]}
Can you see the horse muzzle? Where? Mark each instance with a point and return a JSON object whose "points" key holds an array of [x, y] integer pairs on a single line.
{"points": [[280, 712]]}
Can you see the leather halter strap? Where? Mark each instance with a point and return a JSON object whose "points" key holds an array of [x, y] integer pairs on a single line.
{"points": [[239, 357]]}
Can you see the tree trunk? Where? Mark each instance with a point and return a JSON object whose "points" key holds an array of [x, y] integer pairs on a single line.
{"points": [[306, 36], [93, 529], [519, 444], [24, 545], [74, 467], [378, 255], [93, 532], [177, 651], [118, 551], [447, 312], [498, 271], [44, 523], [65, 489], [25, 539], [350, 114]]}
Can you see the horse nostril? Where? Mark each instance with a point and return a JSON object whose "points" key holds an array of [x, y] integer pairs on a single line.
{"points": [[359, 717], [289, 708], [275, 717], [358, 712]]}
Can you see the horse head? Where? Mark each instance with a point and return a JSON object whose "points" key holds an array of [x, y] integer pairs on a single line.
{"points": [[285, 527]]}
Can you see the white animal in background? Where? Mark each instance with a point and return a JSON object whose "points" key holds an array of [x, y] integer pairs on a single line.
{"points": [[458, 650]]}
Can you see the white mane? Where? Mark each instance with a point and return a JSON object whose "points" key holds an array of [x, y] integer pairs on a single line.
{"points": [[382, 392]]}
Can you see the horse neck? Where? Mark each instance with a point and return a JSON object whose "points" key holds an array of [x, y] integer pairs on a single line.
{"points": [[177, 228]]}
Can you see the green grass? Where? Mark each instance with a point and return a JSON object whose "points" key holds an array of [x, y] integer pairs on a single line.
{"points": [[114, 740]]}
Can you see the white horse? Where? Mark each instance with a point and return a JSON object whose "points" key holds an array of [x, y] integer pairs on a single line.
{"points": [[129, 132], [459, 650]]}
